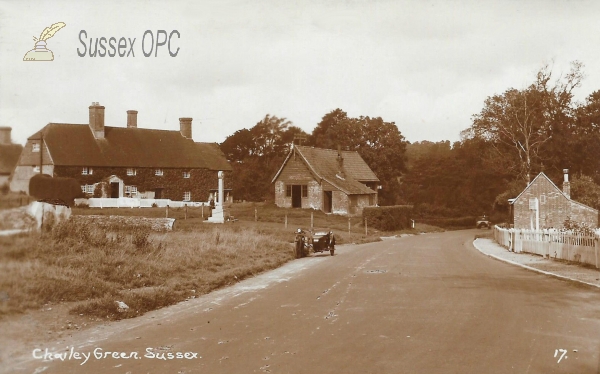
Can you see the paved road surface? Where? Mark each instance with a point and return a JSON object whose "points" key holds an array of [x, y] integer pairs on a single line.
{"points": [[423, 304]]}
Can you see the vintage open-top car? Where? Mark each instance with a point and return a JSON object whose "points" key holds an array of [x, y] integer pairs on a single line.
{"points": [[320, 241]]}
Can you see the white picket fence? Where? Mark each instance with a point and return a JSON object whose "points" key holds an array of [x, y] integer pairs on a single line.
{"points": [[555, 244]]}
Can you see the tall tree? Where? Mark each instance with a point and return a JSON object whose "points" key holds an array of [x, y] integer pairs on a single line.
{"points": [[520, 123], [256, 153], [379, 143]]}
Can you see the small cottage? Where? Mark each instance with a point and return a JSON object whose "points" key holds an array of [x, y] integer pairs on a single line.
{"points": [[543, 205], [333, 181]]}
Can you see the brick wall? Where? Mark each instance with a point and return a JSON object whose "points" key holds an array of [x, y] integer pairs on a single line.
{"points": [[554, 207]]}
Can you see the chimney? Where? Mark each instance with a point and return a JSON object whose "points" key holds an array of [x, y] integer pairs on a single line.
{"points": [[97, 120], [185, 127], [566, 183], [340, 160], [132, 119], [5, 135]]}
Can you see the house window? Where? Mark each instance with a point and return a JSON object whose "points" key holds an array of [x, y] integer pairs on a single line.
{"points": [[36, 169], [186, 174], [131, 191], [131, 172], [543, 199], [87, 189], [187, 196], [87, 171], [36, 147], [288, 191], [304, 190], [158, 172]]}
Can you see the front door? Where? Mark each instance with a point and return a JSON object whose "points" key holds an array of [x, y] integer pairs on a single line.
{"points": [[296, 196], [114, 190], [327, 197], [158, 193]]}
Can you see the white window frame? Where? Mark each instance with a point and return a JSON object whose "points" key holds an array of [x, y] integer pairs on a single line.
{"points": [[87, 171], [89, 189], [35, 147], [186, 174], [36, 169], [84, 188], [131, 172], [187, 196], [158, 172]]}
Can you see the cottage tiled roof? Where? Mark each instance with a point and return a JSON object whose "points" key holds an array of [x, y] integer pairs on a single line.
{"points": [[324, 164], [75, 145], [9, 156]]}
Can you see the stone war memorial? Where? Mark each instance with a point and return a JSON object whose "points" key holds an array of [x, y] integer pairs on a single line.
{"points": [[217, 213]]}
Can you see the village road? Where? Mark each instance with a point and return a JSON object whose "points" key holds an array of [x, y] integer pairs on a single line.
{"points": [[421, 304]]}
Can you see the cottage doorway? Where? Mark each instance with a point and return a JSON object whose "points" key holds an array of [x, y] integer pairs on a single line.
{"points": [[327, 198], [114, 190], [158, 193], [297, 196]]}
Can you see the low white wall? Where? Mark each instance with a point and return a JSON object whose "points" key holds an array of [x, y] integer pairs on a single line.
{"points": [[130, 202]]}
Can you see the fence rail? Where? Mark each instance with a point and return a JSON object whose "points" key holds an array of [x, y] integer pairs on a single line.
{"points": [[555, 244]]}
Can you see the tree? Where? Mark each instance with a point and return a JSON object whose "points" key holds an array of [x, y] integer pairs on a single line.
{"points": [[586, 138], [379, 143], [520, 123], [256, 154], [585, 191]]}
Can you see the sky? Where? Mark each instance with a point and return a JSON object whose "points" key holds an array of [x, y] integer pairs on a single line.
{"points": [[427, 66]]}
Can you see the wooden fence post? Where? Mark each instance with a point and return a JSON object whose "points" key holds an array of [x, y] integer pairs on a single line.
{"points": [[185, 217], [311, 221], [255, 215], [596, 244], [203, 211], [167, 212], [286, 220], [348, 225], [366, 227]]}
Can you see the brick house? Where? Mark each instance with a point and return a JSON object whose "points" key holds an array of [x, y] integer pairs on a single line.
{"points": [[338, 182], [9, 155], [116, 162], [543, 205]]}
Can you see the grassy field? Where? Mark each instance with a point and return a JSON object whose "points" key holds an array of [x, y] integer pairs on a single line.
{"points": [[95, 266]]}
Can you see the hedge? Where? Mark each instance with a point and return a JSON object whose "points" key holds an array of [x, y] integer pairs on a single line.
{"points": [[388, 218], [45, 187], [447, 223]]}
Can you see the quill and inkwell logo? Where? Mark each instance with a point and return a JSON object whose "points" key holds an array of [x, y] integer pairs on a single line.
{"points": [[40, 52]]}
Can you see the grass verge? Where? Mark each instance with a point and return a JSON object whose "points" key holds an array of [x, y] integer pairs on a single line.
{"points": [[98, 266]]}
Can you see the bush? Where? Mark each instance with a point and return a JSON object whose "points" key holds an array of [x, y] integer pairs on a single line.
{"points": [[447, 223], [45, 187], [388, 218]]}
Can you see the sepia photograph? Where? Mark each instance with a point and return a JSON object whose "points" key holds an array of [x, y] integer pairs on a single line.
{"points": [[336, 186]]}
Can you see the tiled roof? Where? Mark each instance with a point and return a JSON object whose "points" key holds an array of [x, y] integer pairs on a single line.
{"points": [[9, 156], [324, 163], [75, 145]]}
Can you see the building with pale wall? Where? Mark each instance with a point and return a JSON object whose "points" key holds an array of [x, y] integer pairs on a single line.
{"points": [[543, 205], [333, 181]]}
